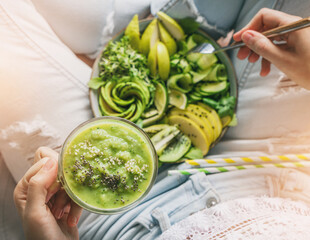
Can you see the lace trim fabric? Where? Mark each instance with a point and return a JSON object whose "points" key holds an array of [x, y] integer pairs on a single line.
{"points": [[247, 218]]}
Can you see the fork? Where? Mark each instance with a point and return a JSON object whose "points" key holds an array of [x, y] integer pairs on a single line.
{"points": [[207, 48]]}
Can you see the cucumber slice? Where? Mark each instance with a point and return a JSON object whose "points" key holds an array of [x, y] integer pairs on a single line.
{"points": [[181, 82], [193, 57], [176, 149], [193, 97], [206, 61], [198, 76], [160, 102], [150, 113], [217, 72], [191, 42], [177, 99], [207, 89]]}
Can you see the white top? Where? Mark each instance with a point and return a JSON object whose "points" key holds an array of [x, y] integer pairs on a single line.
{"points": [[248, 218]]}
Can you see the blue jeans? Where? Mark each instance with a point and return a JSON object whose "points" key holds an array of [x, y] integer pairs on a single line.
{"points": [[173, 198]]}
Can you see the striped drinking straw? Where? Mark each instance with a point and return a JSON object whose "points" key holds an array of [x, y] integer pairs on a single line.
{"points": [[248, 160], [211, 170]]}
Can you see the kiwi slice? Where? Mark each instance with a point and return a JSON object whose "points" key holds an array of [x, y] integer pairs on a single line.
{"points": [[176, 149]]}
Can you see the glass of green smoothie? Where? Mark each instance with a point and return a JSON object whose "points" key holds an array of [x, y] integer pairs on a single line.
{"points": [[107, 165]]}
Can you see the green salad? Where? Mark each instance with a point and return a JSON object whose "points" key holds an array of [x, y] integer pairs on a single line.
{"points": [[181, 100]]}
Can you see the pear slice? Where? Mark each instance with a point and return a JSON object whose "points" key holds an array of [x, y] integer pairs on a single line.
{"points": [[133, 32], [152, 60], [172, 26], [148, 33], [163, 61], [167, 39]]}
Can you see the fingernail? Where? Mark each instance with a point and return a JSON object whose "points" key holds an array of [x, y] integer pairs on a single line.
{"points": [[58, 213], [73, 220], [48, 165], [247, 37]]}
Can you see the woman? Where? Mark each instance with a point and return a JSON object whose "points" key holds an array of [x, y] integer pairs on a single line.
{"points": [[242, 213]]}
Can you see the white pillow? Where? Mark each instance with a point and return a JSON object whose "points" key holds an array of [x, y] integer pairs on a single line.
{"points": [[85, 26], [40, 78]]}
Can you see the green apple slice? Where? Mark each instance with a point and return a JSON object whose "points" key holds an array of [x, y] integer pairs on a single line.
{"points": [[172, 26], [163, 61], [133, 32], [152, 60], [167, 39], [145, 41]]}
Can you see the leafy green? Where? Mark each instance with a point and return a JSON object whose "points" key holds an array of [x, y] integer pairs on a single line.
{"points": [[189, 25], [194, 153], [95, 83]]}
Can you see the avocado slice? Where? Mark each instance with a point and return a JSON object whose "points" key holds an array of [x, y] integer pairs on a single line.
{"points": [[138, 112], [176, 149], [106, 94], [106, 110], [119, 101]]}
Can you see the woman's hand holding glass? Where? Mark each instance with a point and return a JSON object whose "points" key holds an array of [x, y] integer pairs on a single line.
{"points": [[46, 210]]}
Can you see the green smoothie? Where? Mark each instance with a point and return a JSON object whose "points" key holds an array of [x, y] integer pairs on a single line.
{"points": [[108, 164]]}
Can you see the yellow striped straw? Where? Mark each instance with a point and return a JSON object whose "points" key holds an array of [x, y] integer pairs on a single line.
{"points": [[212, 170], [248, 160]]}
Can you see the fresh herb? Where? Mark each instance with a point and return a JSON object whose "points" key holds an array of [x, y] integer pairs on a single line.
{"points": [[224, 107]]}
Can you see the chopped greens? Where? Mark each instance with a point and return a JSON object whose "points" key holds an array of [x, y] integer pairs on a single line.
{"points": [[119, 59]]}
